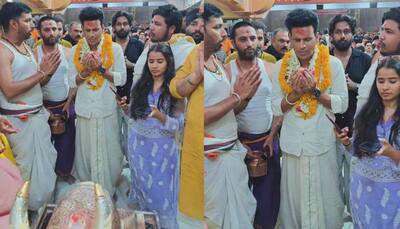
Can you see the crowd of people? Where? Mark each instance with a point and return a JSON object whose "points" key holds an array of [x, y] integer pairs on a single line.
{"points": [[214, 125]]}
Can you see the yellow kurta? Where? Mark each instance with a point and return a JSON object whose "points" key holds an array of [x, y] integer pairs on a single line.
{"points": [[6, 149], [191, 195]]}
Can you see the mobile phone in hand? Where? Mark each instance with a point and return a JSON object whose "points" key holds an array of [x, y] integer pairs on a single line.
{"points": [[116, 94], [337, 128]]}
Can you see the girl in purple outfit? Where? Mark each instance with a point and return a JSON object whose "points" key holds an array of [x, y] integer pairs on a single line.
{"points": [[375, 173], [152, 149]]}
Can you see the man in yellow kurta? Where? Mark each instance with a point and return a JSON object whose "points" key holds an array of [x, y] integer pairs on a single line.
{"points": [[188, 82]]}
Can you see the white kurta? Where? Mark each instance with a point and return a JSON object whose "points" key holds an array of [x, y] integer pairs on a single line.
{"points": [[32, 147], [310, 190], [229, 203], [98, 151]]}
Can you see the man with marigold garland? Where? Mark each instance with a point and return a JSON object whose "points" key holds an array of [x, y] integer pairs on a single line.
{"points": [[97, 64], [307, 85]]}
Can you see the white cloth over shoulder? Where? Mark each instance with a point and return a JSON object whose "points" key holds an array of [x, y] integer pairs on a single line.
{"points": [[365, 86]]}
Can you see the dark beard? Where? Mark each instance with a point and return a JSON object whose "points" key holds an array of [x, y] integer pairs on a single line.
{"points": [[342, 45], [50, 42], [243, 55], [395, 52], [197, 37], [122, 34]]}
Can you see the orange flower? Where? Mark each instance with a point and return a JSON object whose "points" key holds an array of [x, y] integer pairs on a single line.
{"points": [[321, 65]]}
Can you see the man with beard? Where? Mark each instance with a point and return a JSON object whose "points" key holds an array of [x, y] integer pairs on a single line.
{"points": [[260, 44], [60, 32], [21, 102], [307, 85], [229, 203], [165, 27], [256, 125], [96, 65], [194, 25], [389, 45], [279, 44], [74, 33], [121, 23], [356, 64], [58, 96]]}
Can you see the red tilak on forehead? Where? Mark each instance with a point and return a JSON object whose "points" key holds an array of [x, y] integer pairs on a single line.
{"points": [[300, 31]]}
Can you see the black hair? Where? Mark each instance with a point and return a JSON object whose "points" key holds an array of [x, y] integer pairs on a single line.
{"points": [[171, 15], [42, 19], [118, 14], [372, 112], [12, 11], [211, 11], [192, 15], [239, 25], [142, 89], [91, 14], [58, 19], [259, 25], [339, 18], [301, 18], [392, 14]]}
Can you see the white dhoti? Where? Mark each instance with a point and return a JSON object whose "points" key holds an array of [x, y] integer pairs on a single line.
{"points": [[98, 155], [310, 192], [35, 156], [229, 203]]}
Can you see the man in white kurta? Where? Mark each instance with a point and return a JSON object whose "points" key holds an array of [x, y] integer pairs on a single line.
{"points": [[98, 155], [310, 191]]}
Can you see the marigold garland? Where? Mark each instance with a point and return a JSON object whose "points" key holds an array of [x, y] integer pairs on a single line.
{"points": [[307, 105], [107, 57]]}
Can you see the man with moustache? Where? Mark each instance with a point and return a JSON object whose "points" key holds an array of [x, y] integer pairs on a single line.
{"points": [[58, 97], [260, 30], [256, 125], [229, 203], [165, 27], [60, 33], [389, 45], [356, 65], [307, 85], [74, 33], [96, 66], [279, 44], [121, 23], [194, 25], [21, 102]]}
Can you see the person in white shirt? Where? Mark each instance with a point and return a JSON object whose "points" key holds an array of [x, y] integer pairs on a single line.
{"points": [[21, 102], [390, 45], [256, 125], [307, 85], [58, 96], [165, 27], [97, 66], [229, 203]]}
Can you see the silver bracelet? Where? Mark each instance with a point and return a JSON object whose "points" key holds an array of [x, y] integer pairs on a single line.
{"points": [[41, 72], [190, 82], [238, 97], [287, 101]]}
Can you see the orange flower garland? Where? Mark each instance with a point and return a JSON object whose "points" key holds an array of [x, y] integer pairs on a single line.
{"points": [[107, 57], [307, 105]]}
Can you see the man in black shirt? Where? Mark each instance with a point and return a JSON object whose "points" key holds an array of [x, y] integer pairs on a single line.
{"points": [[121, 23], [279, 43], [356, 65], [74, 33]]}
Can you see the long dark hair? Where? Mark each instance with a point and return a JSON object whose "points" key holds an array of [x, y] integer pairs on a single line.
{"points": [[372, 112], [140, 92]]}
